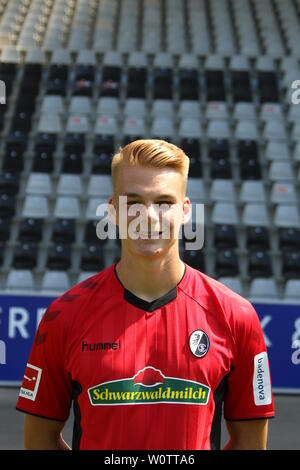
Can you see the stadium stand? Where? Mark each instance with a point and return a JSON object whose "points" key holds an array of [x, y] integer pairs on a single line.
{"points": [[83, 78]]}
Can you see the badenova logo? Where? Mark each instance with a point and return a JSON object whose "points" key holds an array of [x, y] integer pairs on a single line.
{"points": [[149, 386], [261, 380]]}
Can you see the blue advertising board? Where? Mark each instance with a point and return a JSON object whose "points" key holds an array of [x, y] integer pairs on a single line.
{"points": [[21, 314]]}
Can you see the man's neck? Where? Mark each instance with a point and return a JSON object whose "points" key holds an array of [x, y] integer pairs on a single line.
{"points": [[150, 279]]}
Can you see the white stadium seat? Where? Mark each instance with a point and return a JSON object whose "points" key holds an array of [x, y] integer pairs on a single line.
{"points": [[106, 125], [281, 171], [39, 183], [67, 208], [35, 207], [233, 283], [283, 193], [292, 290], [195, 189], [263, 288], [69, 185], [108, 106], [286, 216], [99, 185], [55, 281], [20, 279], [78, 124], [255, 214], [252, 191], [222, 190], [224, 213]]}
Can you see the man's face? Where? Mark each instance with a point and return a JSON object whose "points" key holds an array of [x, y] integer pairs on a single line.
{"points": [[154, 208]]}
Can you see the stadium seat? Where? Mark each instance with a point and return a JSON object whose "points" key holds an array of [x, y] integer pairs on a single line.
{"points": [[220, 169], [85, 275], [226, 263], [252, 191], [25, 256], [133, 127], [195, 190], [56, 281], [255, 214], [222, 190], [49, 123], [276, 150], [162, 127], [189, 128], [106, 125], [217, 110], [5, 224], [69, 185], [283, 193], [263, 288], [20, 280], [291, 263], [286, 216], [80, 105], [92, 258], [93, 204], [67, 208], [59, 257], [30, 230], [257, 237], [224, 213], [225, 236], [77, 124], [292, 289], [36, 207], [52, 104], [259, 263], [194, 258], [246, 130], [274, 130], [99, 185], [63, 231], [218, 129], [135, 107], [9, 183], [189, 108], [244, 111], [39, 183], [162, 108], [108, 106], [289, 238], [232, 283]]}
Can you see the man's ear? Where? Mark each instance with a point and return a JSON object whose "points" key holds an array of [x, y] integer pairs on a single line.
{"points": [[187, 210], [112, 210]]}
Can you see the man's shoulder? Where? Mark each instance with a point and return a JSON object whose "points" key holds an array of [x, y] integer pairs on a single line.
{"points": [[80, 293], [211, 292]]}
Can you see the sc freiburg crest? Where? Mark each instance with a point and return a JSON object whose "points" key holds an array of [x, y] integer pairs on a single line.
{"points": [[199, 343]]}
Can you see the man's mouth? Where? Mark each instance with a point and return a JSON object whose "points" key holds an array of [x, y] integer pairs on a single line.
{"points": [[148, 235]]}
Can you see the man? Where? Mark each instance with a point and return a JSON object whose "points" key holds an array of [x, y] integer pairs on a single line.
{"points": [[149, 347]]}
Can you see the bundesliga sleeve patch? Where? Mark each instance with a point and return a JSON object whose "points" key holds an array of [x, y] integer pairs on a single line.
{"points": [[261, 380], [31, 382]]}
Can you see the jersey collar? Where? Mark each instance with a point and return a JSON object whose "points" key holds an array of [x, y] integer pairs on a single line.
{"points": [[153, 304]]}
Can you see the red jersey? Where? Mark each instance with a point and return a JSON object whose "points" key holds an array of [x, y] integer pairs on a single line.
{"points": [[148, 375]]}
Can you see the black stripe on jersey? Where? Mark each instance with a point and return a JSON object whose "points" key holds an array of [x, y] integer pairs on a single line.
{"points": [[77, 431], [146, 305], [219, 394]]}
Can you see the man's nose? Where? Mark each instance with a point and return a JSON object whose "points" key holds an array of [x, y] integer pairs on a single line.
{"points": [[153, 211]]}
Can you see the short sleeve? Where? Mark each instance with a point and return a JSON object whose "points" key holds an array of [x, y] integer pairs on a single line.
{"points": [[46, 387], [249, 394]]}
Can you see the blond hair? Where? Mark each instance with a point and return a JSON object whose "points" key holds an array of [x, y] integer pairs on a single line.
{"points": [[150, 153]]}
